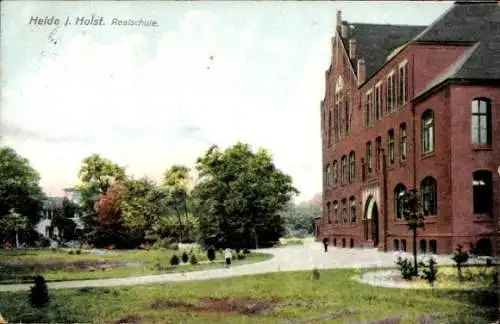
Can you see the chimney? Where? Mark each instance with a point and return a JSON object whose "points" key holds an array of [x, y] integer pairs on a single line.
{"points": [[361, 71], [339, 18], [343, 31], [352, 49]]}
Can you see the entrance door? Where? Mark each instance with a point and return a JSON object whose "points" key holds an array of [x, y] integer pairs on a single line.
{"points": [[375, 225]]}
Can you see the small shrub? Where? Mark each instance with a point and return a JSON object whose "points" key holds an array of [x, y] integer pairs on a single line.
{"points": [[71, 252], [211, 254], [315, 274], [78, 252], [430, 271], [185, 257], [157, 265], [241, 256], [174, 260], [193, 260], [39, 294], [233, 257], [460, 257], [405, 268], [246, 251]]}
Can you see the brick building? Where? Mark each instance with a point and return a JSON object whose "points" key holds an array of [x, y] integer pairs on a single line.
{"points": [[413, 107]]}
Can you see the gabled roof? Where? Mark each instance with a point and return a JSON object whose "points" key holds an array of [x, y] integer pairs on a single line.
{"points": [[463, 22], [375, 42]]}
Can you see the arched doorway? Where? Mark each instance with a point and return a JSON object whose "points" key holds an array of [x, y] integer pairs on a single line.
{"points": [[371, 221], [484, 247]]}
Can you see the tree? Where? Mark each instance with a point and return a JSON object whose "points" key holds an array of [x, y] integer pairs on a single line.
{"points": [[175, 181], [13, 222], [144, 207], [299, 218], [96, 174], [239, 196], [19, 187], [412, 213]]}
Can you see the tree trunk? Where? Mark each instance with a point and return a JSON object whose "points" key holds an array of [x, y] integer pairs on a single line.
{"points": [[415, 251], [17, 239]]}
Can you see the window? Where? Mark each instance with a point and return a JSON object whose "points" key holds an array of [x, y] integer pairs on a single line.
{"points": [[352, 167], [347, 117], [351, 244], [335, 172], [423, 246], [396, 245], [403, 142], [378, 146], [344, 211], [398, 203], [403, 245], [336, 122], [427, 129], [391, 91], [344, 170], [481, 121], [428, 187], [403, 85], [369, 156], [378, 102], [352, 208], [390, 146], [328, 175], [329, 212], [329, 127], [368, 108], [482, 181], [335, 212], [433, 246]]}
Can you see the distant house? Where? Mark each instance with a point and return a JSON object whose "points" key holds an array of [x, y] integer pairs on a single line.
{"points": [[50, 206]]}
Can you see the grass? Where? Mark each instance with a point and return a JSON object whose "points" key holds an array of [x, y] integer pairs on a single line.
{"points": [[473, 277], [19, 266], [292, 295]]}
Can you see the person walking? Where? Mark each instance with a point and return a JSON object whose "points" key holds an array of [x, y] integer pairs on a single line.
{"points": [[228, 255], [325, 244]]}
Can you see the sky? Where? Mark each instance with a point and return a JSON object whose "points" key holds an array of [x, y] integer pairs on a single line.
{"points": [[150, 97]]}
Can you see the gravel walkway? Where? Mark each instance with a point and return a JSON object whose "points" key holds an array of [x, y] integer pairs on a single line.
{"points": [[300, 257]]}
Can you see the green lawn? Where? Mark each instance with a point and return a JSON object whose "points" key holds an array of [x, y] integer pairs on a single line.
{"points": [[17, 266], [286, 295]]}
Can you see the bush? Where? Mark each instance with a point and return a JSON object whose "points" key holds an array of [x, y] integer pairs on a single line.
{"points": [[246, 251], [405, 268], [430, 271], [185, 257], [211, 254], [39, 294], [241, 256], [460, 257], [193, 260], [174, 260], [71, 252], [162, 243], [78, 252]]}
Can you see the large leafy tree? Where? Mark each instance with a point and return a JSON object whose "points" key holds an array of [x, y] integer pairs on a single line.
{"points": [[239, 196], [299, 218], [144, 207], [412, 213], [21, 197], [175, 182]]}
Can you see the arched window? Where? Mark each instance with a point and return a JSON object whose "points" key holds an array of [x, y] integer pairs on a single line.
{"points": [[427, 129], [328, 175], [403, 245], [396, 245], [334, 241], [399, 190], [352, 167], [433, 246], [335, 172], [329, 212], [481, 121], [344, 170], [423, 246], [390, 145], [344, 211], [352, 208], [403, 142], [335, 212], [482, 183], [428, 187], [378, 146]]}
